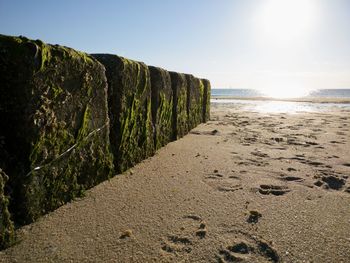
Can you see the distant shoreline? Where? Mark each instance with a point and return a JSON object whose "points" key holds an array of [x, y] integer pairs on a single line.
{"points": [[307, 100]]}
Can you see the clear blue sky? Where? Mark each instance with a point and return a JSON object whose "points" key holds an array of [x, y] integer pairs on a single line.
{"points": [[234, 43]]}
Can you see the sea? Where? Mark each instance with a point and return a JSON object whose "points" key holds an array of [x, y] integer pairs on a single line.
{"points": [[252, 93], [314, 101]]}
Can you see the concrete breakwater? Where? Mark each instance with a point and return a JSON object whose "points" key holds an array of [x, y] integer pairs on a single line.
{"points": [[70, 120]]}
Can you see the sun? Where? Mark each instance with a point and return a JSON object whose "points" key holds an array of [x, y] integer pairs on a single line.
{"points": [[282, 21]]}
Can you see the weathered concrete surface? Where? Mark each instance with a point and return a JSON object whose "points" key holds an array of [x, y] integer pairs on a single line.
{"points": [[60, 122], [180, 118], [6, 225], [206, 100], [195, 90], [129, 100], [54, 125], [162, 106]]}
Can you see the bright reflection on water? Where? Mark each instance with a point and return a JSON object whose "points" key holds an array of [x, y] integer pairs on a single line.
{"points": [[281, 106], [290, 93]]}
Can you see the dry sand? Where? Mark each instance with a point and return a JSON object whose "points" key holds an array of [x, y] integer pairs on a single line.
{"points": [[246, 186]]}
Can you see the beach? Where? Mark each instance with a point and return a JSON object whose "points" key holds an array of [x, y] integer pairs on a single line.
{"points": [[247, 186]]}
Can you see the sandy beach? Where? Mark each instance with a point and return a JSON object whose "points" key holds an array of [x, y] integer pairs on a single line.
{"points": [[246, 186]]}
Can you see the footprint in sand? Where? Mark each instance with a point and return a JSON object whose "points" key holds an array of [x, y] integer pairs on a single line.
{"points": [[340, 133], [267, 189], [291, 178], [248, 140], [302, 160], [313, 163], [332, 181], [254, 162], [218, 181], [319, 147], [234, 177], [175, 244], [229, 188], [200, 230], [293, 141], [213, 132], [214, 176], [259, 154], [193, 227], [247, 248], [277, 139], [254, 217]]}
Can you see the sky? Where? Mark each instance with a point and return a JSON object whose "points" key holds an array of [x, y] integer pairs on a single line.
{"points": [[259, 44]]}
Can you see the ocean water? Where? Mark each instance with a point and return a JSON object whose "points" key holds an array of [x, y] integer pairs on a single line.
{"points": [[250, 93], [239, 93], [240, 98]]}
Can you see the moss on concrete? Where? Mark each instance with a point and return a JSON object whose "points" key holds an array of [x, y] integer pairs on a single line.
{"points": [[7, 234], [195, 91], [206, 99], [162, 106], [54, 123], [129, 100], [180, 118], [55, 132]]}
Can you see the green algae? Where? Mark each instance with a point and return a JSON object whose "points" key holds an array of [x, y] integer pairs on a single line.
{"points": [[195, 91], [84, 129], [162, 106], [180, 117], [129, 102], [7, 234], [45, 54], [206, 99], [56, 125]]}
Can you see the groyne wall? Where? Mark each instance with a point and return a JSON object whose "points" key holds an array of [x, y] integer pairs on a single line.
{"points": [[70, 120]]}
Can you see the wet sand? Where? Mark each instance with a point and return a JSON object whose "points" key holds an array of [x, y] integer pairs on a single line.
{"points": [[246, 186]]}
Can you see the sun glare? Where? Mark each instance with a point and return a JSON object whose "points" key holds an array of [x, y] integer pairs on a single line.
{"points": [[286, 20], [283, 27], [285, 91]]}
